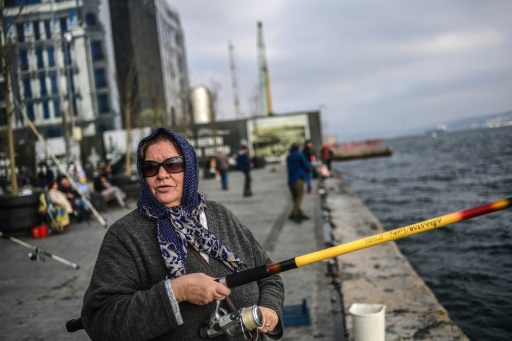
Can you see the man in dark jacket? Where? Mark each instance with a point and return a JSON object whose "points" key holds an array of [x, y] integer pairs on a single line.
{"points": [[298, 168], [243, 163]]}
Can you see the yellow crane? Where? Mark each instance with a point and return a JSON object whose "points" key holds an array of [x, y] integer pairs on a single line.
{"points": [[266, 99]]}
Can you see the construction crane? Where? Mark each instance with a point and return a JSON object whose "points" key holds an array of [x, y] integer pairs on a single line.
{"points": [[266, 99], [234, 83]]}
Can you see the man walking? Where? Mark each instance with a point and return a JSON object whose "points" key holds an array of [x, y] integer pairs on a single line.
{"points": [[298, 168], [243, 162], [222, 162], [309, 153]]}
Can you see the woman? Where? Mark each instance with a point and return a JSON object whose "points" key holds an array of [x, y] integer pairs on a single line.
{"points": [[61, 207], [145, 284], [58, 198]]}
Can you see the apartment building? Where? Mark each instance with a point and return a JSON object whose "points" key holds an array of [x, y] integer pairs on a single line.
{"points": [[59, 69]]}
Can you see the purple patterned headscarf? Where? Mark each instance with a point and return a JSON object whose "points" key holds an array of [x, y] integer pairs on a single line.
{"points": [[180, 225]]}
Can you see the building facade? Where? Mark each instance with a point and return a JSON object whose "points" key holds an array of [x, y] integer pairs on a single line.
{"points": [[59, 69], [150, 62]]}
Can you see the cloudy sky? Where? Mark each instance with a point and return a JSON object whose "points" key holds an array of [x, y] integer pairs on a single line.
{"points": [[374, 68]]}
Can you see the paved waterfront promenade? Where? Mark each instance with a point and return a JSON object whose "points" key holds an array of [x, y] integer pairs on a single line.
{"points": [[37, 298]]}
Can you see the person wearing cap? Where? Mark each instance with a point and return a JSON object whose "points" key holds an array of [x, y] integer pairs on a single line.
{"points": [[150, 281], [298, 169]]}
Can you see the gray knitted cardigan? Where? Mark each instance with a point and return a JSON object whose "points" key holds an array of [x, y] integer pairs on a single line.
{"points": [[127, 297]]}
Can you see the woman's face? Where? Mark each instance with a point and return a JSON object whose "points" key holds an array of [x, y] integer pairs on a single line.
{"points": [[166, 187]]}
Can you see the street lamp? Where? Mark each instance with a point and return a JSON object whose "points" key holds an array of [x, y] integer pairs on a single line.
{"points": [[67, 39]]}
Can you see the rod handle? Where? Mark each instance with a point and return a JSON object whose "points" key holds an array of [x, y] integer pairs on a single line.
{"points": [[74, 325], [244, 277]]}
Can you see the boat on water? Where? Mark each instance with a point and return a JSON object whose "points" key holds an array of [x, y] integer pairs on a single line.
{"points": [[440, 129], [360, 150]]}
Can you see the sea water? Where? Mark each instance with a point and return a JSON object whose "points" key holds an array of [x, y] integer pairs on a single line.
{"points": [[467, 265]]}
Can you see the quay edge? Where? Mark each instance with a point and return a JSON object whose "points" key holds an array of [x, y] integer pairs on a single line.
{"points": [[382, 275]]}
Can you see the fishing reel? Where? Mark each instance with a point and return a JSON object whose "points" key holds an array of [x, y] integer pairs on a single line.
{"points": [[238, 322], [35, 256]]}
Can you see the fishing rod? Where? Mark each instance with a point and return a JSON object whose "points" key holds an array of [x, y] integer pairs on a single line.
{"points": [[37, 251], [264, 271]]}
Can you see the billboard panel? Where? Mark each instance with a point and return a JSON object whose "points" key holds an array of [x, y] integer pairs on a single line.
{"points": [[271, 137]]}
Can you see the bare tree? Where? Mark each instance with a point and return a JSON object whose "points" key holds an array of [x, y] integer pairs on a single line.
{"points": [[128, 102], [7, 51]]}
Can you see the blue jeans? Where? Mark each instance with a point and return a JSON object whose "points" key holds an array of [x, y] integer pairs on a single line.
{"points": [[224, 178], [309, 179]]}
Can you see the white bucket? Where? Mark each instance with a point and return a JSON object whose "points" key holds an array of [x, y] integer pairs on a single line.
{"points": [[368, 321]]}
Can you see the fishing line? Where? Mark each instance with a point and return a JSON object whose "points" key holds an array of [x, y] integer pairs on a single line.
{"points": [[456, 236], [406, 258]]}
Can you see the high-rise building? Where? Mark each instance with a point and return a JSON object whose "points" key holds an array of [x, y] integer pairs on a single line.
{"points": [[59, 67], [151, 63]]}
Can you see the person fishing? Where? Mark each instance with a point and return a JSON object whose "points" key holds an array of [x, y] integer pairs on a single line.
{"points": [[149, 282]]}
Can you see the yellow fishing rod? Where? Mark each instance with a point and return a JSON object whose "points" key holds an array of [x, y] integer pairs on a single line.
{"points": [[263, 271]]}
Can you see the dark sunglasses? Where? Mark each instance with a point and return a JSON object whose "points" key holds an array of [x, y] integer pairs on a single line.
{"points": [[173, 164]]}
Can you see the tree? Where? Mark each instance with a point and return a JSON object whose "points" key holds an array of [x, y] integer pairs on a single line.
{"points": [[152, 118], [128, 102], [7, 51]]}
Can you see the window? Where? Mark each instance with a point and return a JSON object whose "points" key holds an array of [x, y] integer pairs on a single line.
{"points": [[97, 51], [53, 132], [67, 54], [23, 60], [99, 78], [37, 32], [18, 3], [53, 81], [1, 93], [73, 19], [3, 116], [20, 32], [40, 60], [27, 89], [30, 111], [51, 56], [90, 19], [56, 108], [42, 85], [47, 29], [46, 110], [64, 24], [103, 105]]}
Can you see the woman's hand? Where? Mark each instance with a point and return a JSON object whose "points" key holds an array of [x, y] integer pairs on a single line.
{"points": [[270, 320], [198, 288]]}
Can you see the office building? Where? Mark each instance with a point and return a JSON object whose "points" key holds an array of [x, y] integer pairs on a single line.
{"points": [[151, 62]]}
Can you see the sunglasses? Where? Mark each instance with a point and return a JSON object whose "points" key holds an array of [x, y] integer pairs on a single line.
{"points": [[173, 164]]}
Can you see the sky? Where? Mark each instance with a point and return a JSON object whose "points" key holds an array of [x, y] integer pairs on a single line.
{"points": [[373, 68]]}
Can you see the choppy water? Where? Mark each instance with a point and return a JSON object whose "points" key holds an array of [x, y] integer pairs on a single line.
{"points": [[468, 265]]}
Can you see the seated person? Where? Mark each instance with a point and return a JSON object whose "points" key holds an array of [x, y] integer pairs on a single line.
{"points": [[109, 191], [82, 209], [63, 207]]}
